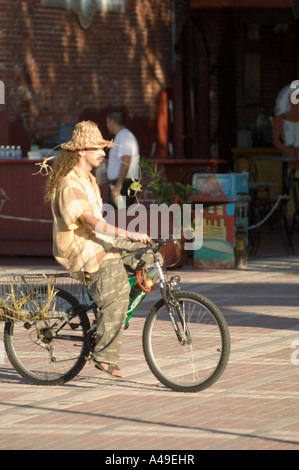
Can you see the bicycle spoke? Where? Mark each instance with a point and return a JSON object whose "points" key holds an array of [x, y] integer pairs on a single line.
{"points": [[201, 357], [51, 351]]}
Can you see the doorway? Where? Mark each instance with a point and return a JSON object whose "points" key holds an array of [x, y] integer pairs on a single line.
{"points": [[195, 83]]}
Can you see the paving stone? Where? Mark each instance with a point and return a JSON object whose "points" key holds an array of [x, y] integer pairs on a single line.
{"points": [[254, 405]]}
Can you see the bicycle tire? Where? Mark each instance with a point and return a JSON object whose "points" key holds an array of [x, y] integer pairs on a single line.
{"points": [[40, 353], [187, 367]]}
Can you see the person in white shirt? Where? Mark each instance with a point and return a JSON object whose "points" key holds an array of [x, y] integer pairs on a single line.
{"points": [[123, 162], [286, 124]]}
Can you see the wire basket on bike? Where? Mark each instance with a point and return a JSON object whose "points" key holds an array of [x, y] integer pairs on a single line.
{"points": [[18, 294]]}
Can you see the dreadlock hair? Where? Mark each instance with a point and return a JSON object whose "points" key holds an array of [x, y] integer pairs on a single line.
{"points": [[63, 164]]}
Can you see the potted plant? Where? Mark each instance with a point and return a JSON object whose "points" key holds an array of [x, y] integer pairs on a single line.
{"points": [[168, 193]]}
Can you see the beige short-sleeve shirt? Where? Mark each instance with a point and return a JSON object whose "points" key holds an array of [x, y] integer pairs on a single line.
{"points": [[76, 247]]}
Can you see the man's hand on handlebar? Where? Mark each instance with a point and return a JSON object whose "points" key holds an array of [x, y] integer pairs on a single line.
{"points": [[139, 237]]}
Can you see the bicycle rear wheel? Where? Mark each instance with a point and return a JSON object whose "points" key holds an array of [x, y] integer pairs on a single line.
{"points": [[202, 356], [48, 351]]}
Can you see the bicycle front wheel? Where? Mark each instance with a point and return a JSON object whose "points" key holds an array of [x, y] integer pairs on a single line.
{"points": [[198, 360], [48, 351]]}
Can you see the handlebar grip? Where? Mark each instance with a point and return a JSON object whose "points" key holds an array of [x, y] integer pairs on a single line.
{"points": [[158, 243], [152, 243]]}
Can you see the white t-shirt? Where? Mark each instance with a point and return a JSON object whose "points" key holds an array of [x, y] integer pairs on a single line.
{"points": [[125, 144], [291, 133]]}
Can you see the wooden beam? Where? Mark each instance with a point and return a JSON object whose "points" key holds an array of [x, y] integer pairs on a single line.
{"points": [[194, 4]]}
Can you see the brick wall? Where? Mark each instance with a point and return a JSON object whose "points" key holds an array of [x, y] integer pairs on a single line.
{"points": [[54, 71]]}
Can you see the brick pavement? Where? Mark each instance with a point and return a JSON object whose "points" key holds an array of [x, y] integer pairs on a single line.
{"points": [[252, 406]]}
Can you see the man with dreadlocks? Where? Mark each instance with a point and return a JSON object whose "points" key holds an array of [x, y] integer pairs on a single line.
{"points": [[85, 244]]}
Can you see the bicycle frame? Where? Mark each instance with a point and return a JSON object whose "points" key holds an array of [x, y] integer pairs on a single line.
{"points": [[138, 296], [167, 296]]}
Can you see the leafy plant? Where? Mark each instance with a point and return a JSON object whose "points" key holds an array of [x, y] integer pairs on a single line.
{"points": [[166, 191]]}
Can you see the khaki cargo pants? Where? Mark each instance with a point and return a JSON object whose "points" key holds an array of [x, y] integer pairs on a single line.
{"points": [[109, 288]]}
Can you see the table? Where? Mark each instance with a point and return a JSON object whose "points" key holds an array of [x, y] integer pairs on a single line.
{"points": [[176, 167], [261, 184], [265, 171], [285, 163], [25, 233], [254, 188], [285, 191]]}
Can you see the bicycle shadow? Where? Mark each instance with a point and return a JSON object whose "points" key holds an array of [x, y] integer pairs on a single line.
{"points": [[11, 376], [91, 381]]}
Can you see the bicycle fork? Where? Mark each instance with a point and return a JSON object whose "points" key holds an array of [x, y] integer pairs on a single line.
{"points": [[173, 306]]}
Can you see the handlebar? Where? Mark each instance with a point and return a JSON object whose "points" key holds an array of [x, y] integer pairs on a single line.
{"points": [[153, 244], [156, 244]]}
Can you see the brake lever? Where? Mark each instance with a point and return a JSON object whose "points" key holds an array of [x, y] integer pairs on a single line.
{"points": [[160, 242], [153, 244]]}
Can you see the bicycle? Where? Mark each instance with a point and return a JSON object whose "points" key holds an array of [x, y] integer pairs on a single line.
{"points": [[185, 337]]}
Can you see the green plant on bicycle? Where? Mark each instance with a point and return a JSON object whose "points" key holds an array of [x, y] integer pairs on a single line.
{"points": [[185, 337]]}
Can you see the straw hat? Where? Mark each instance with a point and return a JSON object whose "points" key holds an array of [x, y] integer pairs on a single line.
{"points": [[86, 135]]}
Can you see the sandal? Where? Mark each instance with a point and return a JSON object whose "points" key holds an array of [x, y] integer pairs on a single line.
{"points": [[111, 368]]}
